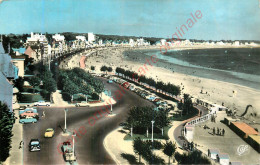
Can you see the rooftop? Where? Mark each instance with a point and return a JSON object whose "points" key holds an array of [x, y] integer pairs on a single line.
{"points": [[256, 138], [245, 128], [215, 151], [223, 156]]}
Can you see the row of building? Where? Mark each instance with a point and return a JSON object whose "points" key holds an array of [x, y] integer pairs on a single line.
{"points": [[38, 47], [205, 43]]}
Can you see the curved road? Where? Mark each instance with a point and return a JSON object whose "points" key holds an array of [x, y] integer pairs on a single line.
{"points": [[178, 130], [89, 147]]}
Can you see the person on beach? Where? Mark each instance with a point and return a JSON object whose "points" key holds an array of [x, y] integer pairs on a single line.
{"points": [[21, 144], [214, 131], [223, 132], [220, 131], [217, 131]]}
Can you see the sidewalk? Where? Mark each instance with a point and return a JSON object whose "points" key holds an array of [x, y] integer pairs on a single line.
{"points": [[57, 99], [16, 154], [115, 145]]}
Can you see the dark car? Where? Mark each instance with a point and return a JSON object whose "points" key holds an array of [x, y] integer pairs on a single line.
{"points": [[34, 145]]}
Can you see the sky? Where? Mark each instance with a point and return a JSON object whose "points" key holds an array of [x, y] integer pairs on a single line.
{"points": [[221, 19]]}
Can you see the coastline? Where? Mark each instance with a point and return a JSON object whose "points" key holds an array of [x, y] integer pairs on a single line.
{"points": [[217, 91]]}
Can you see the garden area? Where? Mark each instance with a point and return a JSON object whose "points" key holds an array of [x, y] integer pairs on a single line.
{"points": [[37, 87], [76, 85], [140, 119]]}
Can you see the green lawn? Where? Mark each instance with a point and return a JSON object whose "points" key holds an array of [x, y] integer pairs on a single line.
{"points": [[30, 98]]}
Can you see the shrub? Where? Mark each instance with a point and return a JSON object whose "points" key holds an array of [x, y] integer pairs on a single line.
{"points": [[45, 94], [66, 96], [95, 96], [154, 145], [194, 157]]}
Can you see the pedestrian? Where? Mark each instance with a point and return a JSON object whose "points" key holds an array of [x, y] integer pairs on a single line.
{"points": [[185, 130], [21, 144], [214, 131], [223, 132], [217, 131], [43, 113], [220, 131]]}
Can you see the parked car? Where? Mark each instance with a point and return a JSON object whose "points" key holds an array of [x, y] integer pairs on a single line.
{"points": [[82, 104], [157, 99], [110, 81], [28, 120], [49, 132], [67, 149], [125, 85], [150, 97], [42, 103], [28, 112], [34, 145], [132, 87], [28, 109]]}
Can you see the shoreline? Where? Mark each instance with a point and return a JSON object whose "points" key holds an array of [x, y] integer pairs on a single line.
{"points": [[217, 91], [175, 65]]}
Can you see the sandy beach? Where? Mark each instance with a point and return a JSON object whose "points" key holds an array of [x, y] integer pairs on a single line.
{"points": [[217, 91]]}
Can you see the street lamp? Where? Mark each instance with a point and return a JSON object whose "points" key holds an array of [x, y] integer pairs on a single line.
{"points": [[65, 110], [131, 131], [152, 129], [73, 135]]}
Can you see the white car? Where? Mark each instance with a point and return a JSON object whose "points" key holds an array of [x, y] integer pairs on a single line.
{"points": [[82, 104], [42, 103]]}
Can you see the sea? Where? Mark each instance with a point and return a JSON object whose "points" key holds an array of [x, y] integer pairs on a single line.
{"points": [[234, 65]]}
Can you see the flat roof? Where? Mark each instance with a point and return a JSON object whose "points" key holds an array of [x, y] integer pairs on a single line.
{"points": [[245, 128], [223, 156], [215, 151], [256, 138]]}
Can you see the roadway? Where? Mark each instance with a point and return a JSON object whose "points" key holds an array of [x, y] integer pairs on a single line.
{"points": [[89, 147], [178, 130]]}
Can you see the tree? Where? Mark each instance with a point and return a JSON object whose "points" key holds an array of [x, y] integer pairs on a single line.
{"points": [[138, 147], [109, 69], [103, 68], [34, 81], [159, 85], [19, 84], [169, 149], [6, 124], [71, 88], [162, 120], [187, 105], [194, 157], [142, 149], [93, 68]]}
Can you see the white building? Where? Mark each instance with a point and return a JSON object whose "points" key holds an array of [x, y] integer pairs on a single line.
{"points": [[212, 153], [223, 159], [100, 42], [35, 38], [131, 42], [140, 42], [188, 132], [58, 37], [81, 38], [236, 43], [163, 41], [91, 37]]}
